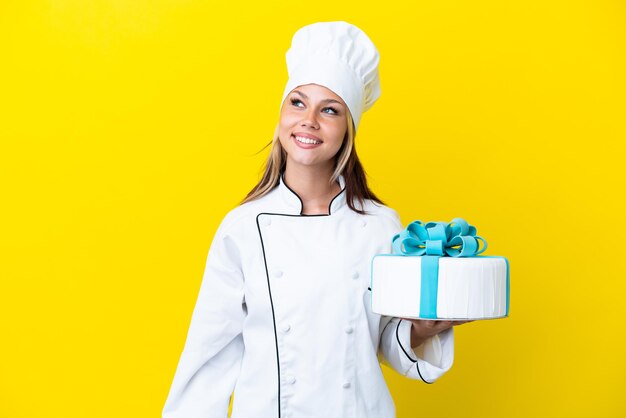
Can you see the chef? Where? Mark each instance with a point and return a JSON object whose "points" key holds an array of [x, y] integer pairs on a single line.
{"points": [[283, 319]]}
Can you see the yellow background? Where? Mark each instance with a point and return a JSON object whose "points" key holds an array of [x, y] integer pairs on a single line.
{"points": [[129, 128]]}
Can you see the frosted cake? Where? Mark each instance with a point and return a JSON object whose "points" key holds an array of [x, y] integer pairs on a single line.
{"points": [[435, 272]]}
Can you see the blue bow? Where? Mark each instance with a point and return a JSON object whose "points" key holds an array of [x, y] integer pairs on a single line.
{"points": [[455, 239]]}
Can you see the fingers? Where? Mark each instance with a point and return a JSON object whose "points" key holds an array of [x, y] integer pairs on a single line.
{"points": [[432, 324], [449, 324]]}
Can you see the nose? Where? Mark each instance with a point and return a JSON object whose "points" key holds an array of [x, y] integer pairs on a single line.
{"points": [[310, 119]]}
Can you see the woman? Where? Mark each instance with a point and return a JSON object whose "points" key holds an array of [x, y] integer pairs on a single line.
{"points": [[283, 317]]}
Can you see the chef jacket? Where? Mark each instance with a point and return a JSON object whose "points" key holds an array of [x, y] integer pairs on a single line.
{"points": [[283, 317]]}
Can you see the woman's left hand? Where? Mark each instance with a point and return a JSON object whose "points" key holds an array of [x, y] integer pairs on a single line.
{"points": [[422, 329]]}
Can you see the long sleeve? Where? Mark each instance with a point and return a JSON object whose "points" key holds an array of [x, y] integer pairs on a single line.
{"points": [[211, 359], [429, 360]]}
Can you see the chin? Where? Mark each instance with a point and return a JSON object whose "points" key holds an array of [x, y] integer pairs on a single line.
{"points": [[315, 162], [304, 162]]}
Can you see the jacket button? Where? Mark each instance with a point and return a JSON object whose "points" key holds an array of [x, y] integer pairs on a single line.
{"points": [[349, 330], [355, 275], [266, 221], [346, 385], [290, 379], [286, 327], [278, 273]]}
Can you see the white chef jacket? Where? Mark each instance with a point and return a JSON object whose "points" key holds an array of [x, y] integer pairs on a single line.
{"points": [[283, 318]]}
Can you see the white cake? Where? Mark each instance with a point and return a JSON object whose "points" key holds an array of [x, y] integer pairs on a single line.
{"points": [[465, 287]]}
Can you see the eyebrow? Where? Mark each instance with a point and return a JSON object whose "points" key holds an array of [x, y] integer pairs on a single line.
{"points": [[323, 101]]}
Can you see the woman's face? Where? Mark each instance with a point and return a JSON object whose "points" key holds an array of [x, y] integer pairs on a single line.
{"points": [[312, 113]]}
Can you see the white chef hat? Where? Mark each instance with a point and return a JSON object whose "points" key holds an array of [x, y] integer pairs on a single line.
{"points": [[338, 56]]}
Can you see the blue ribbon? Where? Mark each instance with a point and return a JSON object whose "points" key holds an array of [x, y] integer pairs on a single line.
{"points": [[432, 241]]}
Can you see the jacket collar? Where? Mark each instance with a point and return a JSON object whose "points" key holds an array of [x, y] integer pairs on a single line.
{"points": [[294, 203]]}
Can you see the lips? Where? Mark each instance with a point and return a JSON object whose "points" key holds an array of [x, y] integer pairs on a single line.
{"points": [[303, 145], [305, 135]]}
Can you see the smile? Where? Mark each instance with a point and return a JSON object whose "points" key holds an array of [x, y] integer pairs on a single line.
{"points": [[306, 143], [306, 140]]}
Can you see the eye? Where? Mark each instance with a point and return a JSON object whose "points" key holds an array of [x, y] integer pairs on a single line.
{"points": [[294, 101]]}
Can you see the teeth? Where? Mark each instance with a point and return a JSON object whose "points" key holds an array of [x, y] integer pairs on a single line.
{"points": [[307, 140]]}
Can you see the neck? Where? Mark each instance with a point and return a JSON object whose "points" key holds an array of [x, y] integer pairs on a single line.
{"points": [[312, 186]]}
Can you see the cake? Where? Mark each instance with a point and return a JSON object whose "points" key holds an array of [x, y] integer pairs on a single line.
{"points": [[435, 272]]}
